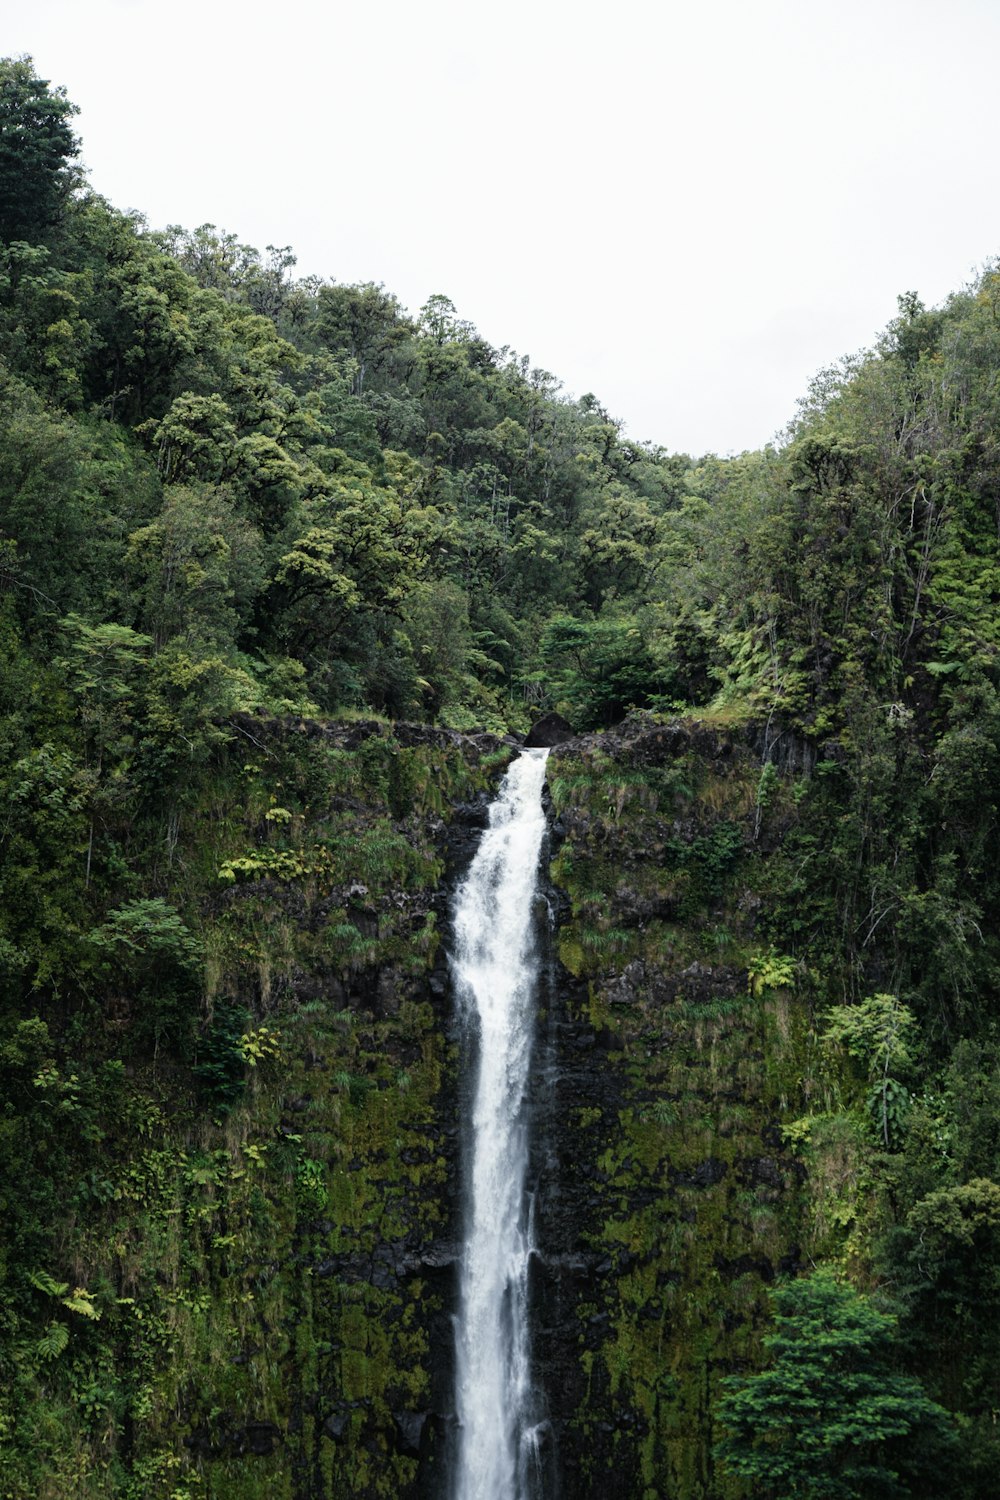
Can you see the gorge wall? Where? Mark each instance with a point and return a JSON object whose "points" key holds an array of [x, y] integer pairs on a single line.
{"points": [[266, 1216]]}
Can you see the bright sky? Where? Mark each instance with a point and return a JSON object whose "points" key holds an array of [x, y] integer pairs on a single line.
{"points": [[686, 208]]}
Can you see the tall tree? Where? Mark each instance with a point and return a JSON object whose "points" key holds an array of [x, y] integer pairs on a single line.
{"points": [[367, 324], [828, 1419], [36, 144]]}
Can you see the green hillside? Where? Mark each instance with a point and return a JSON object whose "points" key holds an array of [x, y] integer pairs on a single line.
{"points": [[284, 570]]}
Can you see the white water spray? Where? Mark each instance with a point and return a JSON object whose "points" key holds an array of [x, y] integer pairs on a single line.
{"points": [[495, 968]]}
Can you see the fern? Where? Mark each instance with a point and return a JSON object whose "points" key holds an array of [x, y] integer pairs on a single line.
{"points": [[53, 1341], [81, 1301], [45, 1283]]}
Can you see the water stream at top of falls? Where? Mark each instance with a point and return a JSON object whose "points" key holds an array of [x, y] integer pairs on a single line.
{"points": [[495, 967]]}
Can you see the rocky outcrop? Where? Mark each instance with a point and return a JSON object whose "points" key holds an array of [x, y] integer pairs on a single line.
{"points": [[549, 730]]}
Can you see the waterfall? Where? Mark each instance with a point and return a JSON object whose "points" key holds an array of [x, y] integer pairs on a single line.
{"points": [[495, 968]]}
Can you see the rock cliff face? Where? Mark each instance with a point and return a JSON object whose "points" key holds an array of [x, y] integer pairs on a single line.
{"points": [[272, 1218], [668, 1198], [276, 1223]]}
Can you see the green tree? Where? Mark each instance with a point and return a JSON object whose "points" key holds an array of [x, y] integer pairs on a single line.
{"points": [[831, 1418], [104, 669], [366, 324], [617, 554], [878, 1030], [150, 958], [197, 566], [43, 842], [36, 145], [220, 262], [360, 551], [43, 504], [42, 330], [596, 670]]}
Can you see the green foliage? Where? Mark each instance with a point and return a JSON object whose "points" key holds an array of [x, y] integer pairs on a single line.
{"points": [[260, 1045], [220, 1067], [878, 1030], [150, 929], [955, 1216], [45, 1283], [830, 1418], [310, 1186], [36, 142], [197, 568], [770, 971], [53, 1341], [365, 326], [598, 669], [231, 500], [146, 951]]}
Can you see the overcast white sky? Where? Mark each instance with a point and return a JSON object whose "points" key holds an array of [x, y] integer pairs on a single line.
{"points": [[687, 208]]}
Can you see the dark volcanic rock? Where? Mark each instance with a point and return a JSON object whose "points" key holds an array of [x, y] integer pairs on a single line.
{"points": [[261, 1438], [224, 1437], [706, 1174], [409, 1430], [335, 1424], [744, 1265], [550, 729]]}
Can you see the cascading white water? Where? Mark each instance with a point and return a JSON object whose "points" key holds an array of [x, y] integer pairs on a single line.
{"points": [[495, 969]]}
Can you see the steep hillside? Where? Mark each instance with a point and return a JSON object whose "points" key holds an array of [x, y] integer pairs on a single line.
{"points": [[286, 573]]}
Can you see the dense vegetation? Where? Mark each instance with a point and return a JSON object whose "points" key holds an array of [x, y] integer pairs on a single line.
{"points": [[234, 505]]}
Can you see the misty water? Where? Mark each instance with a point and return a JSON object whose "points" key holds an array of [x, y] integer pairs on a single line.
{"points": [[495, 967]]}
